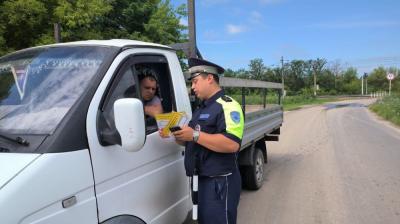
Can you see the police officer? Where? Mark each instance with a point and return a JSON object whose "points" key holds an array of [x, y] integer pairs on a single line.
{"points": [[212, 141]]}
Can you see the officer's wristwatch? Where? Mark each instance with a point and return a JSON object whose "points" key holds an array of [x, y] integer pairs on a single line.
{"points": [[196, 135]]}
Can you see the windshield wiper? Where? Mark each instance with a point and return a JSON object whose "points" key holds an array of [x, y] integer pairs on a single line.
{"points": [[18, 139]]}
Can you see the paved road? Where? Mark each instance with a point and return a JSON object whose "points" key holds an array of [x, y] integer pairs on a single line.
{"points": [[333, 164]]}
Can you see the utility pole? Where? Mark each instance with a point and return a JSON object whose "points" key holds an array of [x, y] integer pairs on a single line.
{"points": [[283, 80], [315, 83], [57, 32], [190, 48], [366, 83], [336, 71], [362, 85], [314, 65], [192, 29]]}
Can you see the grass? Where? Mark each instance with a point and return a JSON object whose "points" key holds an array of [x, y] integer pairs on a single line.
{"points": [[289, 102], [388, 108]]}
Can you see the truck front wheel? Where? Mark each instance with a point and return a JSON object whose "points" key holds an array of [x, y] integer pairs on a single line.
{"points": [[253, 176]]}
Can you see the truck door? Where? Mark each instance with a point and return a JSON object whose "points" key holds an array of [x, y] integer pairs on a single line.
{"points": [[149, 184]]}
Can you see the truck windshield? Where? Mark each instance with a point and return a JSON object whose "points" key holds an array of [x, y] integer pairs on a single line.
{"points": [[39, 86]]}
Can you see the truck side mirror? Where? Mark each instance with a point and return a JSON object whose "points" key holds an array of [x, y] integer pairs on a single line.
{"points": [[129, 121]]}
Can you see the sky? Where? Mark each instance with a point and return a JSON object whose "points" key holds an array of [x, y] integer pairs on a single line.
{"points": [[363, 34]]}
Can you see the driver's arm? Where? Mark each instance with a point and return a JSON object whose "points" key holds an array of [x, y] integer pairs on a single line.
{"points": [[153, 110]]}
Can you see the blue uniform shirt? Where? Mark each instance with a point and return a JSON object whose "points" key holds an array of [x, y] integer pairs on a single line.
{"points": [[219, 114]]}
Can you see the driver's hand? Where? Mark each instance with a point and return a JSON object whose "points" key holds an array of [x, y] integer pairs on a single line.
{"points": [[161, 133]]}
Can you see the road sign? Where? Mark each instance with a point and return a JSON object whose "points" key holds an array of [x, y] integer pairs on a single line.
{"points": [[390, 76]]}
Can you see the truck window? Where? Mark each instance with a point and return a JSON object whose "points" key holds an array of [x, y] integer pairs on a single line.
{"points": [[127, 84], [123, 86]]}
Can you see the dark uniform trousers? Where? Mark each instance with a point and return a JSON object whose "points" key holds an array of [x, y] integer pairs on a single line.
{"points": [[219, 198]]}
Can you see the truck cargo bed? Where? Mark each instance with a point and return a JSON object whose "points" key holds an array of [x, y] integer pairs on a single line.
{"points": [[260, 123]]}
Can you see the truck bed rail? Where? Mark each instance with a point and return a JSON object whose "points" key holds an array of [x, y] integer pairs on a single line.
{"points": [[248, 83], [260, 123]]}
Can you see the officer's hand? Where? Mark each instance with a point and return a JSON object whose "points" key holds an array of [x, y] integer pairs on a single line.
{"points": [[185, 134]]}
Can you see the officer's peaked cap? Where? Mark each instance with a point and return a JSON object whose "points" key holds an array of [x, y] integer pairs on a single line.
{"points": [[198, 66]]}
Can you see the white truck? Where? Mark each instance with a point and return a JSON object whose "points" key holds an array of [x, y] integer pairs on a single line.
{"points": [[76, 147]]}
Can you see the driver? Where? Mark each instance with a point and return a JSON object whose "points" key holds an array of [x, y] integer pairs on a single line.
{"points": [[149, 90]]}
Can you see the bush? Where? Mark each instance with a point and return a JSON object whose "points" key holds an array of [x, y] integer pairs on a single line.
{"points": [[307, 92], [332, 92], [388, 108]]}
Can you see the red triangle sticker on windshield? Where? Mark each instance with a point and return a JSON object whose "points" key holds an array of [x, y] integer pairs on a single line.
{"points": [[20, 76]]}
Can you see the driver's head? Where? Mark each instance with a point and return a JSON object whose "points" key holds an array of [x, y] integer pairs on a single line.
{"points": [[148, 84]]}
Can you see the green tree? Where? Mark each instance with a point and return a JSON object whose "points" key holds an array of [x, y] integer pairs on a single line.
{"points": [[396, 80], [337, 70], [127, 17], [243, 74], [396, 85], [26, 23], [294, 76], [308, 74], [22, 22], [163, 26], [327, 82], [351, 83], [229, 73], [3, 47], [272, 75], [377, 80], [256, 69], [78, 18], [317, 66]]}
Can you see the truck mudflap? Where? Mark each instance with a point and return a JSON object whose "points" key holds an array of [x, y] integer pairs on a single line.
{"points": [[272, 138]]}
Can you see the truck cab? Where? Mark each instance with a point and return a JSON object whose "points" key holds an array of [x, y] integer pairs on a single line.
{"points": [[75, 144]]}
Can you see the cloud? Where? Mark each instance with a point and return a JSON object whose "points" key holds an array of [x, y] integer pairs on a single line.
{"points": [[270, 2], [370, 63], [220, 42], [208, 3], [254, 22], [211, 35], [255, 17], [214, 37], [235, 29], [382, 59], [290, 51], [355, 24]]}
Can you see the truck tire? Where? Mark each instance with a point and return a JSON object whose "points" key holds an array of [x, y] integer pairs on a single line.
{"points": [[253, 177]]}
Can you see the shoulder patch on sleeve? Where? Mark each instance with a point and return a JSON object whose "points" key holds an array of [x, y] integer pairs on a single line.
{"points": [[235, 116]]}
